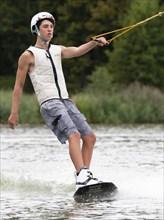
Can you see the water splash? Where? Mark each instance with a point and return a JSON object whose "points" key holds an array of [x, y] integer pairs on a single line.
{"points": [[24, 184]]}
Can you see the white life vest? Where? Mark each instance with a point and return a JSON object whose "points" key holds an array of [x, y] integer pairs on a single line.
{"points": [[47, 77]]}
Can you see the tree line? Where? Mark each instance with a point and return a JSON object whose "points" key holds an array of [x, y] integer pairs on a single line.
{"points": [[135, 56]]}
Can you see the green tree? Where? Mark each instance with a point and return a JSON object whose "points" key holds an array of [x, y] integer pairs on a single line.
{"points": [[76, 22], [138, 55]]}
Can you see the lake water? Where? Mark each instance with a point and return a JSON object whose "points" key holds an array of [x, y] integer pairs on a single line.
{"points": [[37, 176]]}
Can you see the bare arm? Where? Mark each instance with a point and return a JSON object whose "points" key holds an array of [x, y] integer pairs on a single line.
{"points": [[69, 52], [23, 68]]}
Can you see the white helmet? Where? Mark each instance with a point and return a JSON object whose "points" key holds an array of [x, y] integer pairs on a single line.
{"points": [[38, 17]]}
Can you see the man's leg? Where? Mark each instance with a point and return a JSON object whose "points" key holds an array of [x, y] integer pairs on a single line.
{"points": [[75, 151], [87, 148], [82, 158]]}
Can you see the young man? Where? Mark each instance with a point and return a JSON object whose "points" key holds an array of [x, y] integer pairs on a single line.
{"points": [[43, 64]]}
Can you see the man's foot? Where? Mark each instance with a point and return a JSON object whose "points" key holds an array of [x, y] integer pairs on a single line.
{"points": [[84, 178]]}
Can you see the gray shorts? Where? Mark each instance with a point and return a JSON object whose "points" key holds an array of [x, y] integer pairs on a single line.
{"points": [[64, 119]]}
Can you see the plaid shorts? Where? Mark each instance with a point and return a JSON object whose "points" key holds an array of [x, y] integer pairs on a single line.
{"points": [[64, 119]]}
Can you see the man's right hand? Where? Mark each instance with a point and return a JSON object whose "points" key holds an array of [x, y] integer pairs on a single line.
{"points": [[13, 120]]}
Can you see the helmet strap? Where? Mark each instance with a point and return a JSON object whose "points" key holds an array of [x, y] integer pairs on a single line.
{"points": [[44, 41]]}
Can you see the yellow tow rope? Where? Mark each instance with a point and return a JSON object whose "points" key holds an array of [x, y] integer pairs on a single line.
{"points": [[124, 29]]}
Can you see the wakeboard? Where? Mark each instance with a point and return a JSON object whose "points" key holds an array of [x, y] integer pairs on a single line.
{"points": [[103, 191]]}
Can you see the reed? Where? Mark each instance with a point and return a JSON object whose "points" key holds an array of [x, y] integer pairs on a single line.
{"points": [[135, 104]]}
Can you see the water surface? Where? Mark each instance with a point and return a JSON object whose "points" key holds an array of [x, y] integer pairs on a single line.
{"points": [[37, 176]]}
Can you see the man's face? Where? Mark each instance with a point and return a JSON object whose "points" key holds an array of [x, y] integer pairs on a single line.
{"points": [[46, 29]]}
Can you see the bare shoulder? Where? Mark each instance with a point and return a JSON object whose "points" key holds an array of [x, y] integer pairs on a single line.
{"points": [[62, 48], [26, 56], [26, 61]]}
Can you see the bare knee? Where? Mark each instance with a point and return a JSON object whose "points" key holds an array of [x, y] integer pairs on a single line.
{"points": [[92, 137], [74, 137], [89, 139]]}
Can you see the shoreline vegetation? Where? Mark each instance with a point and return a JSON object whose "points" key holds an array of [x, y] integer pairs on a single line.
{"points": [[134, 104]]}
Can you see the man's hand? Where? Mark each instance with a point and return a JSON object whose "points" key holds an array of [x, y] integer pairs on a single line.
{"points": [[101, 41], [13, 120]]}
